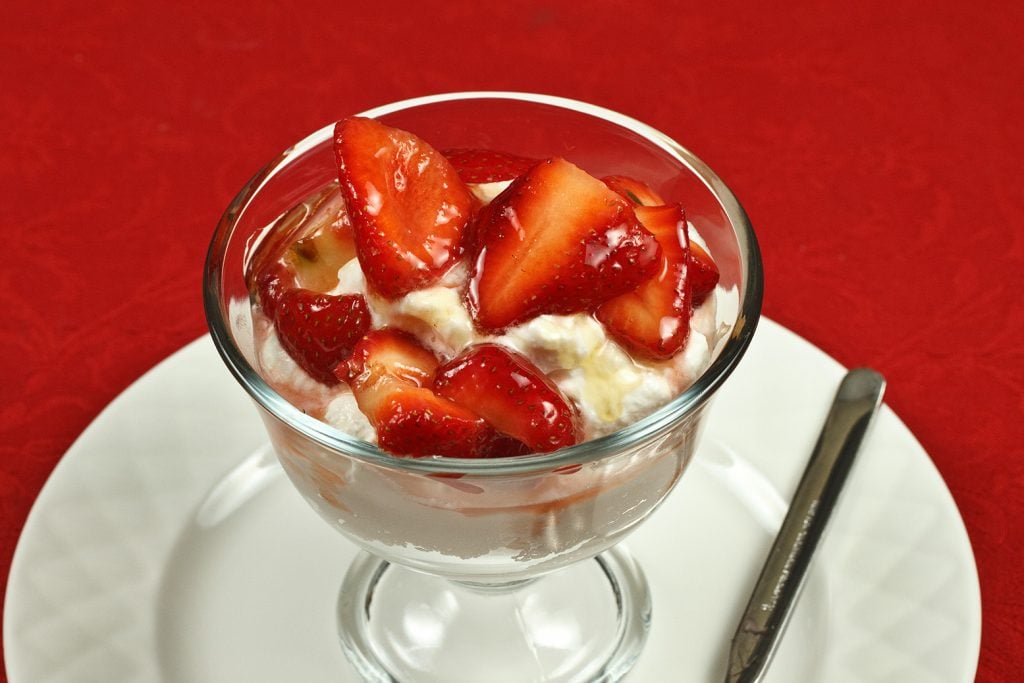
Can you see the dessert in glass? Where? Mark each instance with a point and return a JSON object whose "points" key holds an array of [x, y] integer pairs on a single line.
{"points": [[531, 303]]}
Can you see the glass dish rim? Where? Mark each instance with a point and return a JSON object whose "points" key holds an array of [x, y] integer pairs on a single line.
{"points": [[638, 432]]}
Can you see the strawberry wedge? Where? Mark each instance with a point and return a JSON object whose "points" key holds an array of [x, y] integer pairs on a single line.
{"points": [[407, 205], [653, 321], [512, 394], [415, 421], [390, 374], [557, 240], [319, 331], [387, 352], [487, 165]]}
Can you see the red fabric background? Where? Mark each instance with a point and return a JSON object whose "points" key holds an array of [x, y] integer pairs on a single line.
{"points": [[877, 147]]}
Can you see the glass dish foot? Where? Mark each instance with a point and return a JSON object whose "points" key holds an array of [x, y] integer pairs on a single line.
{"points": [[586, 622]]}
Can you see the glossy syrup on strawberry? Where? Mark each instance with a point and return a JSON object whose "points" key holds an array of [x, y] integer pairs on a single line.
{"points": [[319, 331], [653, 320], [511, 393], [407, 205], [556, 241]]}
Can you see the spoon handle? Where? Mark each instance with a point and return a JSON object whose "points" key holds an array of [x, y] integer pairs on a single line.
{"points": [[782, 577]]}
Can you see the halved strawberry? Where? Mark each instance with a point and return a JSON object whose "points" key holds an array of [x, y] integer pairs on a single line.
{"points": [[407, 205], [389, 372], [634, 190], [416, 421], [703, 273], [512, 394], [319, 331], [487, 165], [557, 240], [654, 319], [388, 352]]}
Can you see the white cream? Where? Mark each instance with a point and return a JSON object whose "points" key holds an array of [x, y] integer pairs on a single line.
{"points": [[343, 414], [611, 389], [436, 316], [278, 368]]}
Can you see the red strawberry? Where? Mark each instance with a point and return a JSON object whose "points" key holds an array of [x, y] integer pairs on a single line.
{"points": [[703, 273], [416, 421], [388, 372], [392, 352], [557, 240], [486, 165], [654, 319], [637, 192], [319, 331], [512, 394], [407, 205]]}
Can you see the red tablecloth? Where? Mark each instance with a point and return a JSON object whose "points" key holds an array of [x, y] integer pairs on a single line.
{"points": [[876, 146]]}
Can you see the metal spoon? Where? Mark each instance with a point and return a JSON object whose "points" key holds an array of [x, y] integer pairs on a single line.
{"points": [[777, 589]]}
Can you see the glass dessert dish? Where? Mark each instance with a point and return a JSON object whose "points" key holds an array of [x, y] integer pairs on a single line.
{"points": [[497, 569]]}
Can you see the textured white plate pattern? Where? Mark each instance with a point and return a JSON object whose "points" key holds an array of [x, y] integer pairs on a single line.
{"points": [[167, 546]]}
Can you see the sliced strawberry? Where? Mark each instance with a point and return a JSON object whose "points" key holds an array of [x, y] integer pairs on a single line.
{"points": [[703, 273], [319, 331], [389, 373], [635, 191], [388, 352], [654, 319], [407, 205], [512, 394], [557, 240], [416, 421], [487, 165]]}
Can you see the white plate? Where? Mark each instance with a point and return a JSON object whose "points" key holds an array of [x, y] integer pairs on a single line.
{"points": [[167, 546]]}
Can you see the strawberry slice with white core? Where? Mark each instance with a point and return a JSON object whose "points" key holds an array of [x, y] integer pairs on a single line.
{"points": [[388, 352], [407, 205], [557, 240], [487, 165], [703, 273], [637, 192], [319, 331], [653, 321], [512, 394], [389, 372]]}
